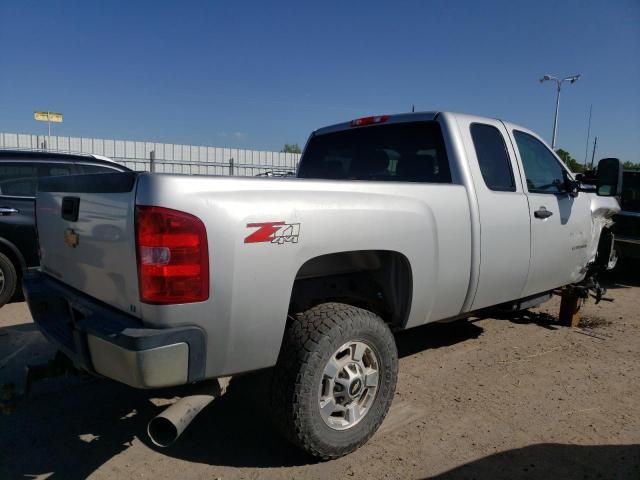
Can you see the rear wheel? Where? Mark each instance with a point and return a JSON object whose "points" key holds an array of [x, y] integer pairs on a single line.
{"points": [[8, 279], [335, 379]]}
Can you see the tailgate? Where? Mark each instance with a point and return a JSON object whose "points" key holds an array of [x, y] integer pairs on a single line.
{"points": [[86, 232]]}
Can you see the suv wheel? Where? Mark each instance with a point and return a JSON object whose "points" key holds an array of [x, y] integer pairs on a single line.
{"points": [[335, 379], [8, 279]]}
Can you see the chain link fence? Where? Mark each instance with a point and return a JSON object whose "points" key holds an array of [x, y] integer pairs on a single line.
{"points": [[163, 157]]}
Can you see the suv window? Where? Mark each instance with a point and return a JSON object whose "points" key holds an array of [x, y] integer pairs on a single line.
{"points": [[630, 200], [54, 169], [493, 157], [543, 171], [21, 179], [96, 169], [406, 152], [18, 179]]}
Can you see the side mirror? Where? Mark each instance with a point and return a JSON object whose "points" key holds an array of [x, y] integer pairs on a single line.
{"points": [[609, 177]]}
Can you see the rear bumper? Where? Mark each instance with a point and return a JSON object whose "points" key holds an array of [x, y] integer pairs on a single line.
{"points": [[110, 343]]}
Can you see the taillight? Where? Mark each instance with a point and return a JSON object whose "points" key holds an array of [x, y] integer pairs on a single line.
{"points": [[361, 122], [173, 259]]}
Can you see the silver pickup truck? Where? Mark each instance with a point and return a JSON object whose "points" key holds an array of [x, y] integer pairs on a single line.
{"points": [[391, 222]]}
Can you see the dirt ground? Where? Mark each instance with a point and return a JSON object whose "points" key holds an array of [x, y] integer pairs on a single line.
{"points": [[518, 397]]}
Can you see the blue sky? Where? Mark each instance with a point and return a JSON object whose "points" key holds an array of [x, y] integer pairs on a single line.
{"points": [[259, 74]]}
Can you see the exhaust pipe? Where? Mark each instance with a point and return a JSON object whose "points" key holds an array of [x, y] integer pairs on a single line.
{"points": [[165, 429]]}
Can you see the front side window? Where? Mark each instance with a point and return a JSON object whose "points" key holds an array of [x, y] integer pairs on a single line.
{"points": [[18, 179], [493, 157], [401, 152], [542, 169]]}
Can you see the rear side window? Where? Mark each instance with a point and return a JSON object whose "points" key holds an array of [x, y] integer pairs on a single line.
{"points": [[403, 152], [541, 168], [493, 157], [97, 169], [18, 179]]}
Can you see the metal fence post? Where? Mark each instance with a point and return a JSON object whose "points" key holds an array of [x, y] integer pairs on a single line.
{"points": [[231, 167], [152, 161]]}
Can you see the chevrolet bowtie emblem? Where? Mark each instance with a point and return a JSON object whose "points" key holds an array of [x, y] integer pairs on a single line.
{"points": [[71, 238]]}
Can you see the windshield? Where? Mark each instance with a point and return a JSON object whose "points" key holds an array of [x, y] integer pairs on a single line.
{"points": [[631, 192], [405, 152]]}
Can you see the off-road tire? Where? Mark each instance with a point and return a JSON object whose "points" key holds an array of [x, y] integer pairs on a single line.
{"points": [[311, 338], [10, 276]]}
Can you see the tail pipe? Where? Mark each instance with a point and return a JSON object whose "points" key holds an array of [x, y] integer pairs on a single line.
{"points": [[165, 429]]}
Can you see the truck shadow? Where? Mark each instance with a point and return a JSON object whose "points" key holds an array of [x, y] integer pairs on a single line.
{"points": [[72, 427], [551, 460], [524, 317], [69, 427], [435, 335]]}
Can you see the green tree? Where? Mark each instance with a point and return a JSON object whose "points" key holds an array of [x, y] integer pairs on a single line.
{"points": [[291, 148], [631, 166], [569, 161]]}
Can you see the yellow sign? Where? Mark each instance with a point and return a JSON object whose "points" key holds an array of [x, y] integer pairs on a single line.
{"points": [[48, 117]]}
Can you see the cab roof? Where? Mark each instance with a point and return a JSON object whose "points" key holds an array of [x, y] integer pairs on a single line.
{"points": [[11, 154]]}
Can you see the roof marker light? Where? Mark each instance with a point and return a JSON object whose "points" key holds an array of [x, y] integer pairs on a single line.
{"points": [[361, 122]]}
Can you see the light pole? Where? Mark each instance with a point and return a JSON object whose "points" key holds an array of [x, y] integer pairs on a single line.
{"points": [[572, 79]]}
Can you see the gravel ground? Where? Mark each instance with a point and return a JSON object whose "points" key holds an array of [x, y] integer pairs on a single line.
{"points": [[517, 397]]}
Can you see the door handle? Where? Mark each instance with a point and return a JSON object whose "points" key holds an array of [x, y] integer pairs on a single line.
{"points": [[4, 211], [542, 212]]}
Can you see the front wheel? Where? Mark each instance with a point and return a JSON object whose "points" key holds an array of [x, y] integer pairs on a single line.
{"points": [[335, 379]]}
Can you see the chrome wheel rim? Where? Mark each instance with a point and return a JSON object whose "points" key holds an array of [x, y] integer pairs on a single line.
{"points": [[1, 281], [349, 385]]}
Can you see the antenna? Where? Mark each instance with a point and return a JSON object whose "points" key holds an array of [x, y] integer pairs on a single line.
{"points": [[586, 147], [593, 154], [413, 108]]}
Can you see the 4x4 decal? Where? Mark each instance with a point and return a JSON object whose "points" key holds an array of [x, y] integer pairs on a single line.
{"points": [[273, 232]]}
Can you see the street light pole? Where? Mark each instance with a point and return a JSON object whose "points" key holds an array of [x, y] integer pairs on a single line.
{"points": [[555, 118], [572, 79]]}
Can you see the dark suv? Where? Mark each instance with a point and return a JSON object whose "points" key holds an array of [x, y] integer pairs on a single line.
{"points": [[627, 226], [20, 172]]}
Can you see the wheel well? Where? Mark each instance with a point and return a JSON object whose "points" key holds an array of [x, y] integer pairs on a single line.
{"points": [[605, 246], [15, 257], [376, 280]]}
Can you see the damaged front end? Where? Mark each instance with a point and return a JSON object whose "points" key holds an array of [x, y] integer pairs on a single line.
{"points": [[602, 255]]}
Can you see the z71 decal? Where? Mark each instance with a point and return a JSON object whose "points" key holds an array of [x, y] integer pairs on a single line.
{"points": [[273, 232]]}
